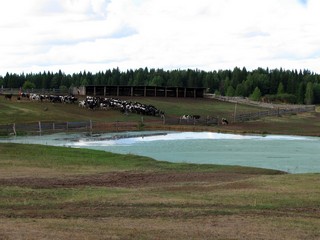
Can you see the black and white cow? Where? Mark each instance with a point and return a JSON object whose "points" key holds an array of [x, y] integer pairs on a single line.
{"points": [[190, 117], [224, 121]]}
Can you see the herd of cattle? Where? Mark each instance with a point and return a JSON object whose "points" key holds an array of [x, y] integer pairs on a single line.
{"points": [[42, 97], [121, 105], [103, 103], [95, 103]]}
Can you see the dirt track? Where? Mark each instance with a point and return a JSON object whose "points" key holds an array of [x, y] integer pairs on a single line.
{"points": [[122, 179]]}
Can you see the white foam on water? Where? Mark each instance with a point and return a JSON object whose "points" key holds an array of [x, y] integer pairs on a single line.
{"points": [[126, 139]]}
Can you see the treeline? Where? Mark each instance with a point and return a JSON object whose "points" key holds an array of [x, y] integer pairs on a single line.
{"points": [[277, 85]]}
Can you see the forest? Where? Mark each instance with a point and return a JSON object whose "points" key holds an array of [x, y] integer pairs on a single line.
{"points": [[276, 85]]}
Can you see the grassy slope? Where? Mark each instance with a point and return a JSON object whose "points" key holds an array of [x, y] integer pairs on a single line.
{"points": [[27, 111]]}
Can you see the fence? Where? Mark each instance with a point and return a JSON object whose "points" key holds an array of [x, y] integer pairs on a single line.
{"points": [[90, 126], [44, 127], [15, 91], [52, 127], [39, 128], [247, 101], [202, 121], [274, 112]]}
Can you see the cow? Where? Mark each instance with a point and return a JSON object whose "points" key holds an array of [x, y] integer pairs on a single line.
{"points": [[8, 96], [190, 117], [224, 121]]}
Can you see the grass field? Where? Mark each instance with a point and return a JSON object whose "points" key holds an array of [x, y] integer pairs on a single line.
{"points": [[25, 111], [64, 193], [298, 124]]}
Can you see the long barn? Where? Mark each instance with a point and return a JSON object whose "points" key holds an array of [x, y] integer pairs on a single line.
{"points": [[144, 91]]}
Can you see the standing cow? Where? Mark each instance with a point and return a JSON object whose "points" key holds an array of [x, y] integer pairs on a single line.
{"points": [[8, 96]]}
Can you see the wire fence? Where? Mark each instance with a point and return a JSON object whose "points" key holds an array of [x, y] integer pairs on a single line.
{"points": [[273, 112], [42, 127], [260, 104], [16, 91]]}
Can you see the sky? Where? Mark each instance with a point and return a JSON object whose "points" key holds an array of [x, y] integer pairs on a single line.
{"points": [[96, 35]]}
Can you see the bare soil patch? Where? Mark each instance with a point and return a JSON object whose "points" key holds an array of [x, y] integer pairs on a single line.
{"points": [[122, 179]]}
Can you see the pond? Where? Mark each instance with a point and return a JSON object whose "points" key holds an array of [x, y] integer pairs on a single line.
{"points": [[294, 154]]}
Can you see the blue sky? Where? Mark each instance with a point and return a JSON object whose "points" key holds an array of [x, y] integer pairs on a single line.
{"points": [[95, 35], [304, 2]]}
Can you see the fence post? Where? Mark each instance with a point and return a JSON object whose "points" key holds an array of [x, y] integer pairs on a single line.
{"points": [[53, 126], [40, 127], [14, 129], [235, 112], [90, 125]]}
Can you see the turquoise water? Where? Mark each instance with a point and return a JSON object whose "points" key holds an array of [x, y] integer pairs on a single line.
{"points": [[292, 154]]}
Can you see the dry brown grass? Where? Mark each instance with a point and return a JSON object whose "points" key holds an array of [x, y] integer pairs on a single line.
{"points": [[216, 227]]}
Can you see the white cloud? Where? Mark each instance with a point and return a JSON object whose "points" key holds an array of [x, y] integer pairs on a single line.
{"points": [[93, 35]]}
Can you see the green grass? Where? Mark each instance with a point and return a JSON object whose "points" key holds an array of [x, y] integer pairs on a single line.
{"points": [[28, 111]]}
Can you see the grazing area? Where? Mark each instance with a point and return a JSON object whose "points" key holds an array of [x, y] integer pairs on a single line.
{"points": [[24, 111], [64, 193]]}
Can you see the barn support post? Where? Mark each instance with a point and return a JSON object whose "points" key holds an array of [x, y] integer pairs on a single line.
{"points": [[53, 126], [67, 126]]}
